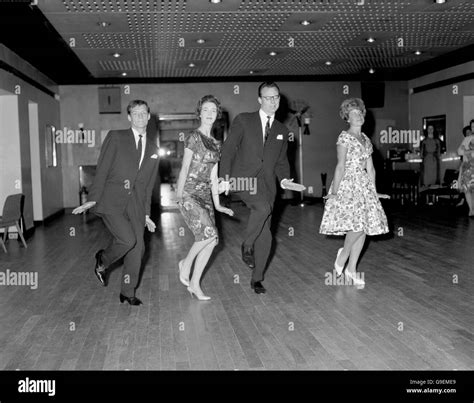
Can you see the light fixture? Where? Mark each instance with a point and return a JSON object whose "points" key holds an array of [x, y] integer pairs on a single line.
{"points": [[272, 53], [328, 63], [251, 72], [191, 65], [201, 41], [103, 24], [417, 52], [124, 74], [305, 22], [370, 40], [215, 1], [440, 1], [116, 54], [371, 71]]}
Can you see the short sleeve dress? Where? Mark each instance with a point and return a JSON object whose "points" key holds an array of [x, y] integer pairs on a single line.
{"points": [[356, 206], [197, 207]]}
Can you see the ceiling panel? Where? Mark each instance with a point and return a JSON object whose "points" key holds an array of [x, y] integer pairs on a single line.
{"points": [[159, 38]]}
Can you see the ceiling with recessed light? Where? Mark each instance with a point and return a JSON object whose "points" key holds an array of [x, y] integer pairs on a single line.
{"points": [[194, 39]]}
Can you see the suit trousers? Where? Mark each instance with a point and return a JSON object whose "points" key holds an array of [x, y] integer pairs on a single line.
{"points": [[258, 234], [127, 230]]}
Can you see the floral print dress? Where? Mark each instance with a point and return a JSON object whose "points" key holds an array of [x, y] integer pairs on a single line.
{"points": [[356, 206], [197, 207]]}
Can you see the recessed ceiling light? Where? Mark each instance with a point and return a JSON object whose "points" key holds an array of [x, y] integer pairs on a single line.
{"points": [[116, 54], [272, 53], [328, 63], [103, 24], [440, 1], [305, 22], [191, 65], [215, 1], [370, 40], [124, 74], [417, 52], [200, 41], [251, 71], [371, 71]]}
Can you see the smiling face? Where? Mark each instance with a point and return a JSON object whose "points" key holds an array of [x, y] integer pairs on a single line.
{"points": [[139, 117], [269, 100], [208, 113], [356, 117]]}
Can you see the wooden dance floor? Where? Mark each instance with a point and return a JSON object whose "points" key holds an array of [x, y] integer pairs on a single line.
{"points": [[415, 311]]}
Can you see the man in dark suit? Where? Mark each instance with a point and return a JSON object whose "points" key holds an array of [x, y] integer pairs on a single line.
{"points": [[256, 151], [121, 193]]}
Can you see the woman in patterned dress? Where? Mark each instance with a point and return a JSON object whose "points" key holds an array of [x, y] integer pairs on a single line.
{"points": [[197, 189], [466, 172], [352, 206]]}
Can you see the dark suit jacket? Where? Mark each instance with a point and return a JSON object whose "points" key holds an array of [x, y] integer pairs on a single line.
{"points": [[244, 155], [118, 178]]}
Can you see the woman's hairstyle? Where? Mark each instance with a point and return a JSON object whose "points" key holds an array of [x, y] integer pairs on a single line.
{"points": [[209, 98], [136, 102], [348, 105], [465, 129]]}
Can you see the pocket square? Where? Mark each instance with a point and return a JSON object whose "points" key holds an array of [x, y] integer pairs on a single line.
{"points": [[154, 156], [280, 137]]}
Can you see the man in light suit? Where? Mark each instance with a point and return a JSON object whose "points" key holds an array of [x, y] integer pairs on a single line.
{"points": [[256, 148], [121, 194]]}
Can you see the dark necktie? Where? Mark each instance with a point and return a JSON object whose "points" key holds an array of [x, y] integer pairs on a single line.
{"points": [[139, 149], [267, 129]]}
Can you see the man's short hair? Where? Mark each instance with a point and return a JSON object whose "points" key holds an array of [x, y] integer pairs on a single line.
{"points": [[267, 84], [136, 102]]}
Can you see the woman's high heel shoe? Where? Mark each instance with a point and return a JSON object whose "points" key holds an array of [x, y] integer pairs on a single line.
{"points": [[338, 268], [183, 280], [355, 279], [199, 295]]}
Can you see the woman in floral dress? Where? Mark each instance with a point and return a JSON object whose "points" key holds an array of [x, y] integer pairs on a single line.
{"points": [[352, 206], [197, 189], [466, 174]]}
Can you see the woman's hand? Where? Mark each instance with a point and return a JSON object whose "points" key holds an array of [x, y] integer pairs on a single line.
{"points": [[383, 196], [86, 206], [330, 196], [225, 210]]}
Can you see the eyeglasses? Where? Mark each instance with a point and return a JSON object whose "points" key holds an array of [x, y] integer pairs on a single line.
{"points": [[272, 98]]}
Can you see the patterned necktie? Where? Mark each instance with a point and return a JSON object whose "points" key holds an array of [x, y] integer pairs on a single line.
{"points": [[139, 149], [267, 129]]}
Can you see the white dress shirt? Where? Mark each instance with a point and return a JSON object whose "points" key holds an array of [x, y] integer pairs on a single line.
{"points": [[264, 118], [136, 134]]}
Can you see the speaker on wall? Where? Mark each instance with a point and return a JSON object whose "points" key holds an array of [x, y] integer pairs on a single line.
{"points": [[373, 94], [109, 100]]}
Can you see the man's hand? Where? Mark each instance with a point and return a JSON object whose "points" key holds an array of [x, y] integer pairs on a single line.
{"points": [[149, 224], [383, 196], [288, 184], [86, 206], [223, 186]]}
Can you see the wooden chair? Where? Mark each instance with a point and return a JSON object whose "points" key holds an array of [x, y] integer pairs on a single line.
{"points": [[12, 215]]}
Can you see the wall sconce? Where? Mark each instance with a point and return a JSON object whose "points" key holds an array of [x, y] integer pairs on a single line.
{"points": [[306, 126]]}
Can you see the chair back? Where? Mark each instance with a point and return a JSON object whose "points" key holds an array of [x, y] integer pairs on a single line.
{"points": [[13, 208]]}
